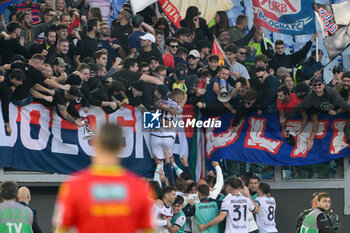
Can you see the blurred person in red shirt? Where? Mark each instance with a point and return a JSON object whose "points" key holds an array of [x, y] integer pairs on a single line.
{"points": [[105, 197]]}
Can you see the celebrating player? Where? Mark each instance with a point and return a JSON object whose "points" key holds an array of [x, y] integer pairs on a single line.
{"points": [[267, 207], [235, 207]]}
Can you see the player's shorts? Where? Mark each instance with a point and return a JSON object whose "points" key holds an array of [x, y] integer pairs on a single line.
{"points": [[162, 143]]}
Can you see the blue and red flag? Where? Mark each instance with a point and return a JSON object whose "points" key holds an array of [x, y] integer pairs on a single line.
{"points": [[293, 17]]}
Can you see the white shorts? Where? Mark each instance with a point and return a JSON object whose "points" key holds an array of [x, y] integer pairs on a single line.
{"points": [[161, 144]]}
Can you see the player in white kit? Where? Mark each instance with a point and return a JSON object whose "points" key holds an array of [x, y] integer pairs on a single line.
{"points": [[165, 212], [234, 209], [163, 139], [267, 207]]}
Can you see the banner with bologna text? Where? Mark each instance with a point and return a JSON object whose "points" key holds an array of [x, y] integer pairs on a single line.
{"points": [[293, 17], [259, 140], [42, 141]]}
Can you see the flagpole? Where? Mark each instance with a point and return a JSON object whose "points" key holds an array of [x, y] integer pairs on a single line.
{"points": [[317, 58], [328, 63]]}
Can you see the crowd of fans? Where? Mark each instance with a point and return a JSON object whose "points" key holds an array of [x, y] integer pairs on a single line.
{"points": [[68, 55], [62, 57]]}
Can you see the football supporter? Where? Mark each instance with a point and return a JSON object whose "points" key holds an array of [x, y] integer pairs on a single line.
{"points": [[286, 101], [115, 200]]}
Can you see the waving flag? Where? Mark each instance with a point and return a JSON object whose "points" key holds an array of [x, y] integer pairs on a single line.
{"points": [[139, 5], [4, 4], [216, 49], [335, 23], [293, 17]]}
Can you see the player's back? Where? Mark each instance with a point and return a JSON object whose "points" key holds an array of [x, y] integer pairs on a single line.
{"points": [[101, 199], [266, 216], [237, 208]]}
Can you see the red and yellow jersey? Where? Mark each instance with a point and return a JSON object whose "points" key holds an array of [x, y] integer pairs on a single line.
{"points": [[104, 199]]}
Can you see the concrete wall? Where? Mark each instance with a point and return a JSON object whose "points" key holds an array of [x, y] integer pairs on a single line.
{"points": [[289, 204]]}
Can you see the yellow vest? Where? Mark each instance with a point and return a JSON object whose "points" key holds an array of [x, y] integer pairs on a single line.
{"points": [[257, 49], [295, 79], [182, 86]]}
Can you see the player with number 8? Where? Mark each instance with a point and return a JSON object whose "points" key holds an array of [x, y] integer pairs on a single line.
{"points": [[267, 207]]}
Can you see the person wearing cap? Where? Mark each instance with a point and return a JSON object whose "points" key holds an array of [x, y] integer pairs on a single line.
{"points": [[311, 67], [67, 111], [148, 49], [320, 219], [282, 71], [13, 46], [112, 45], [280, 58], [121, 28], [193, 60], [134, 40], [343, 88], [338, 72], [180, 80], [321, 99], [195, 94], [59, 67], [301, 216]]}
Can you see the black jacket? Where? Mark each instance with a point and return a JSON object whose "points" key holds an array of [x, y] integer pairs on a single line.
{"points": [[291, 60], [202, 33], [331, 100]]}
